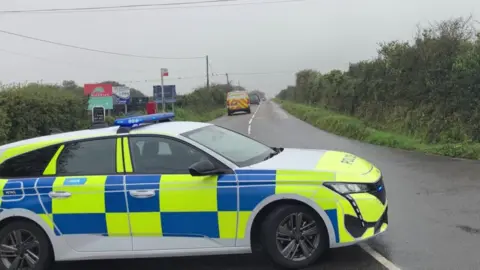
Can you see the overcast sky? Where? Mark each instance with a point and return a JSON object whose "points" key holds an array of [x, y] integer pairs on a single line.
{"points": [[276, 38]]}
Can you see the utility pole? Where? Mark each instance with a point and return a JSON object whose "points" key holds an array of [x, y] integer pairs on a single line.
{"points": [[228, 81], [208, 72]]}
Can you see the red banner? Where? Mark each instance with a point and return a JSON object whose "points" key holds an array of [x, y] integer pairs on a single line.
{"points": [[98, 90]]}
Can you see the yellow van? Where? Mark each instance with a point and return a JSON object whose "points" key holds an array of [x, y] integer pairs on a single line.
{"points": [[238, 101]]}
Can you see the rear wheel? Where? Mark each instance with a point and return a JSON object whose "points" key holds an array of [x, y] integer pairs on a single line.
{"points": [[229, 113], [294, 236], [25, 246], [248, 111]]}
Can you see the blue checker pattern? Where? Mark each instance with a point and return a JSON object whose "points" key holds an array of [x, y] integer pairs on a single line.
{"points": [[332, 215], [227, 193], [255, 185], [81, 223], [192, 224], [137, 182], [115, 201], [14, 196]]}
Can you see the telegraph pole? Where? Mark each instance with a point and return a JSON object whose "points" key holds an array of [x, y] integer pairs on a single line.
{"points": [[208, 72], [228, 81]]}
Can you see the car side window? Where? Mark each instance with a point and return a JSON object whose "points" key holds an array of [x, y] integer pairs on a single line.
{"points": [[93, 157], [160, 155], [30, 164]]}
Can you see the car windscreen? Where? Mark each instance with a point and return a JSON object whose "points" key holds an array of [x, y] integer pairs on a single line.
{"points": [[237, 148]]}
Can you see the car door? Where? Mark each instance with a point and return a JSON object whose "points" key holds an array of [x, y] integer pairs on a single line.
{"points": [[168, 207], [85, 195]]}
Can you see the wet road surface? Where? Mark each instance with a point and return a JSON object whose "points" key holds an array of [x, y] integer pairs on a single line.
{"points": [[349, 258], [434, 205]]}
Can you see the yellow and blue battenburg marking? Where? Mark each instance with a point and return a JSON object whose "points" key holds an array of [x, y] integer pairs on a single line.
{"points": [[182, 205]]}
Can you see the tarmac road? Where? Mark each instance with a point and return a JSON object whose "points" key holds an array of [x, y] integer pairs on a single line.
{"points": [[434, 205]]}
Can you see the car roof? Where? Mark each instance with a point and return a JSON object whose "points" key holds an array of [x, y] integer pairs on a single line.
{"points": [[173, 128]]}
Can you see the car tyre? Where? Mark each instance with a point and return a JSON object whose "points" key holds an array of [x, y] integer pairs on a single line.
{"points": [[278, 236], [30, 239], [229, 113], [249, 111]]}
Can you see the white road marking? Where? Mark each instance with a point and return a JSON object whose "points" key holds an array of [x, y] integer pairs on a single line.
{"points": [[251, 120], [377, 256]]}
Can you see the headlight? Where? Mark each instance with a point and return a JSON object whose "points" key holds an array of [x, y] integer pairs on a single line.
{"points": [[347, 188]]}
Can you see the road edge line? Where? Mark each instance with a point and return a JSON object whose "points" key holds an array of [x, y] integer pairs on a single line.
{"points": [[249, 130], [379, 257]]}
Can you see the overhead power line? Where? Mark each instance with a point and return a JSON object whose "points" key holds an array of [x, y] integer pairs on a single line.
{"points": [[199, 4], [96, 50], [73, 64], [120, 6]]}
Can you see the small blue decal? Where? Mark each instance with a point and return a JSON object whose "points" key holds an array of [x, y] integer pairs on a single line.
{"points": [[74, 181]]}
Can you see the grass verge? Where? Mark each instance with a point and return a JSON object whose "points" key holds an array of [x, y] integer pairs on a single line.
{"points": [[357, 129]]}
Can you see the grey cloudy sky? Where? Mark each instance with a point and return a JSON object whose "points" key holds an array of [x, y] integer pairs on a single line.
{"points": [[270, 38]]}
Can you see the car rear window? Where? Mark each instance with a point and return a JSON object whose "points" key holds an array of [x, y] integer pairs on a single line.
{"points": [[237, 95]]}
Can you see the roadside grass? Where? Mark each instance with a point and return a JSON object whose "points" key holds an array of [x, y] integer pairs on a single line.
{"points": [[357, 129]]}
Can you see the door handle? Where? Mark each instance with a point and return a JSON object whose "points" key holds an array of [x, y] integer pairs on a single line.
{"points": [[59, 194], [142, 194]]}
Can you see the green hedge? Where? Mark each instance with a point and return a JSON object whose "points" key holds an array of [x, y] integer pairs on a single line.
{"points": [[428, 88], [426, 91], [357, 129], [32, 110]]}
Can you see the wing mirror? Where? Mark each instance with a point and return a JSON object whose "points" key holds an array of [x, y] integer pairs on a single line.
{"points": [[204, 167]]}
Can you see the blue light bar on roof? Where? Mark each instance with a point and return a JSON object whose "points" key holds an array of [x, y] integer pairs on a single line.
{"points": [[144, 119]]}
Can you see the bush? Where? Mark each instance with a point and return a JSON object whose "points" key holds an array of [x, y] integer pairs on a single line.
{"points": [[356, 129], [426, 91], [32, 110], [428, 88]]}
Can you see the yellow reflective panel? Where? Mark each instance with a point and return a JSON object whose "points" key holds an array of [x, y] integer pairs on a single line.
{"points": [[126, 154], [117, 224], [146, 224], [227, 224], [51, 168], [348, 167], [119, 156], [88, 197], [18, 150], [370, 207], [186, 193]]}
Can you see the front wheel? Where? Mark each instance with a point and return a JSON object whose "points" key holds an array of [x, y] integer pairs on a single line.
{"points": [[294, 236], [24, 245]]}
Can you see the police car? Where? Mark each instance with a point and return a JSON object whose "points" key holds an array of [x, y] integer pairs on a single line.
{"points": [[153, 187]]}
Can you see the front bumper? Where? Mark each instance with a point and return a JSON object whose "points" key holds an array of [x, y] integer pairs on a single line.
{"points": [[363, 215], [358, 228]]}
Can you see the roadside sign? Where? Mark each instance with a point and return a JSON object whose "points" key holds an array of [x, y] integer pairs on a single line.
{"points": [[98, 90], [98, 114], [105, 102], [169, 91], [121, 94], [139, 100], [164, 72]]}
